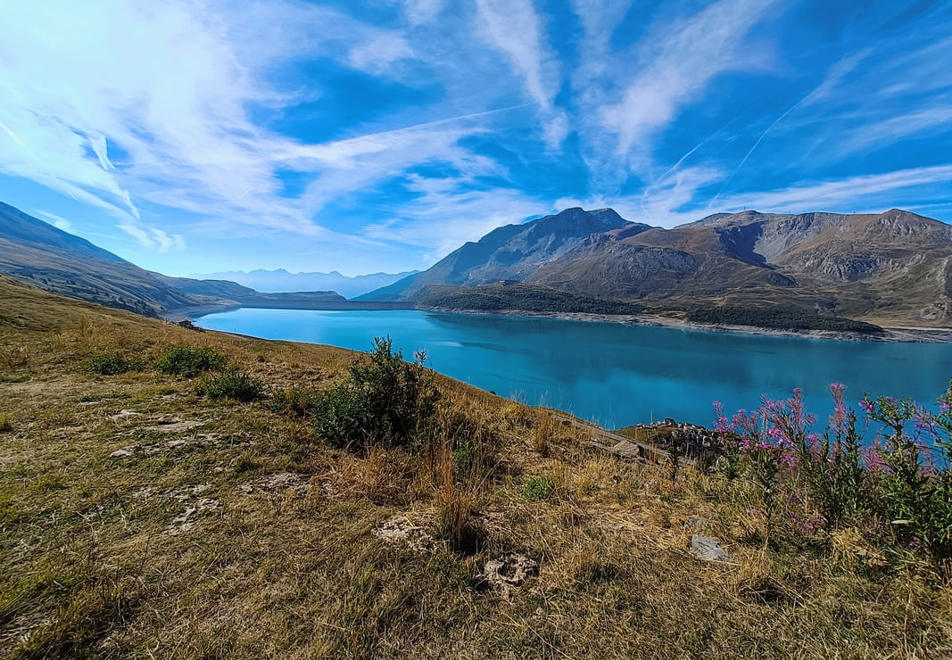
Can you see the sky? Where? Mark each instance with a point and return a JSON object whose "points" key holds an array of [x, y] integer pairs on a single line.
{"points": [[193, 136]]}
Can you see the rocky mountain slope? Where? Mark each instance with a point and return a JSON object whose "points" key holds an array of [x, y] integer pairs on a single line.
{"points": [[512, 252], [891, 267], [57, 261]]}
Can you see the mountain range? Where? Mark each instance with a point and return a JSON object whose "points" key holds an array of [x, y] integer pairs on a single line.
{"points": [[280, 280], [812, 270], [57, 261], [891, 267]]}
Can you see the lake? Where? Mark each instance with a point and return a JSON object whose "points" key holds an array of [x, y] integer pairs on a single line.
{"points": [[616, 374]]}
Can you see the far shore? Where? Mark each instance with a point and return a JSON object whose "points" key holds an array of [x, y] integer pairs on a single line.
{"points": [[889, 334], [896, 333]]}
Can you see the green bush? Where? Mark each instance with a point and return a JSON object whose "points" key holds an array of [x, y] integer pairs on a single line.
{"points": [[385, 400], [297, 401], [538, 487], [111, 364], [232, 384], [188, 362]]}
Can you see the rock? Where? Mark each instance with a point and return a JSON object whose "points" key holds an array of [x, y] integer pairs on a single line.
{"points": [[279, 481], [695, 523], [173, 426], [399, 529], [195, 509], [509, 570], [125, 452], [709, 548], [628, 451], [123, 414]]}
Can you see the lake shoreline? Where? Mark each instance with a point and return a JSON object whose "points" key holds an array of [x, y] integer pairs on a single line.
{"points": [[890, 334], [904, 334]]}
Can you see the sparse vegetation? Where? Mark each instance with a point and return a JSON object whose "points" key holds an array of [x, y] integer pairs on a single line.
{"points": [[5, 424], [231, 384], [188, 362]]}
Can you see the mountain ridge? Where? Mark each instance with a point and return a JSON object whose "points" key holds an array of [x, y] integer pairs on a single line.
{"points": [[60, 262], [894, 266]]}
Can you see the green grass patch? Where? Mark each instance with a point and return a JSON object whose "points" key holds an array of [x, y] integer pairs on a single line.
{"points": [[538, 487]]}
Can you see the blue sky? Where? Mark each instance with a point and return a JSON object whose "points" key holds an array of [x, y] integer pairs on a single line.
{"points": [[204, 135]]}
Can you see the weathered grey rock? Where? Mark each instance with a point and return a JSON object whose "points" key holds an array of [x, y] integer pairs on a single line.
{"points": [[628, 451], [709, 548], [125, 452], [509, 570], [399, 529], [696, 523]]}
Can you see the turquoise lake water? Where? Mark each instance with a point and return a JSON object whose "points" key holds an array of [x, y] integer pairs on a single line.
{"points": [[616, 374]]}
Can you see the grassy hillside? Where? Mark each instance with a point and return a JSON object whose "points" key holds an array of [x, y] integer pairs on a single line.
{"points": [[139, 517]]}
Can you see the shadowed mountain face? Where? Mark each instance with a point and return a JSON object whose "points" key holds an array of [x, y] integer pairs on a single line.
{"points": [[59, 262], [894, 266]]}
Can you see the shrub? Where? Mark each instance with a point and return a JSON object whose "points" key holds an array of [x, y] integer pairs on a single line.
{"points": [[232, 384], [386, 400], [538, 487], [896, 489], [5, 424], [111, 364], [188, 362]]}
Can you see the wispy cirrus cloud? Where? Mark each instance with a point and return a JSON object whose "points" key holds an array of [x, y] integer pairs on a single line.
{"points": [[681, 59], [403, 127], [514, 27]]}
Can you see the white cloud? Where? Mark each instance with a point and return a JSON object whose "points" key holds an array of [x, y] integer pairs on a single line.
{"points": [[446, 214], [683, 59], [514, 28], [121, 102], [378, 53], [57, 221], [852, 192], [422, 11]]}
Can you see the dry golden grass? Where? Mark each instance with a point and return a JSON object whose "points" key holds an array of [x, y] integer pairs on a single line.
{"points": [[246, 536]]}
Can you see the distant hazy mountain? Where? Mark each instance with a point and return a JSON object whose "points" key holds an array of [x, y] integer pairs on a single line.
{"points": [[281, 280], [894, 266], [57, 261]]}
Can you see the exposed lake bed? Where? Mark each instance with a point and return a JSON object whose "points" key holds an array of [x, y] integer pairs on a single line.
{"points": [[617, 374]]}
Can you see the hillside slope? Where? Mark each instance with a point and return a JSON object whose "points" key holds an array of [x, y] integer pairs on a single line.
{"points": [[138, 514], [57, 261]]}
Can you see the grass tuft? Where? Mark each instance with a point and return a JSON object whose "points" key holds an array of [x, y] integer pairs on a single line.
{"points": [[188, 362]]}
